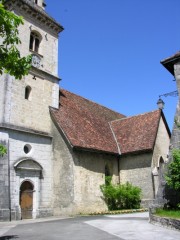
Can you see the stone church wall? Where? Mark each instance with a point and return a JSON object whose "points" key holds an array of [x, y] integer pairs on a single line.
{"points": [[136, 169], [89, 174], [48, 50], [63, 174], [78, 176], [32, 113], [161, 148], [2, 93], [159, 160], [4, 181]]}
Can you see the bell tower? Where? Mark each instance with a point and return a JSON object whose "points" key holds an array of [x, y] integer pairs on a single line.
{"points": [[25, 122], [26, 102]]}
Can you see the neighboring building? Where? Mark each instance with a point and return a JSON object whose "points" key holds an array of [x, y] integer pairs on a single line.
{"points": [[172, 64], [60, 145]]}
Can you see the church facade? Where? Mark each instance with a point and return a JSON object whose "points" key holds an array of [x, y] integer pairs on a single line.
{"points": [[60, 145]]}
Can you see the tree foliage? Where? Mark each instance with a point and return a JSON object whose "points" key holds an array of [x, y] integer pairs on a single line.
{"points": [[3, 150], [121, 196], [173, 175], [10, 60]]}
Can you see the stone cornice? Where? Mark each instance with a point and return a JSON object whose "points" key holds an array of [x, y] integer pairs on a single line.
{"points": [[43, 74], [24, 129], [34, 11]]}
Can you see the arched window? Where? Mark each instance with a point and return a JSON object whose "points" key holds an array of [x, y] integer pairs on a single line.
{"points": [[108, 176], [26, 186], [107, 172], [28, 92], [34, 43]]}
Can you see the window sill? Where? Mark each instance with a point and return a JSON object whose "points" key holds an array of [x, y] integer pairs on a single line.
{"points": [[36, 53]]}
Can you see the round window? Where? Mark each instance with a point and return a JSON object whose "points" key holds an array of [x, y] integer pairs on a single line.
{"points": [[27, 148]]}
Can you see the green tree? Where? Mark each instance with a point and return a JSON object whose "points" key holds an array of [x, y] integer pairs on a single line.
{"points": [[10, 60], [173, 174]]}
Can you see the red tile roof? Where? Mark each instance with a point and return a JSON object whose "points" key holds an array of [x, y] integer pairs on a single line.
{"points": [[137, 133], [90, 126], [85, 123]]}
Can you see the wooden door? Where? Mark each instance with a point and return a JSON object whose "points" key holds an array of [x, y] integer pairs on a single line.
{"points": [[26, 200]]}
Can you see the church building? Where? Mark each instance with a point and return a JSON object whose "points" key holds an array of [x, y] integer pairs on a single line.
{"points": [[61, 145]]}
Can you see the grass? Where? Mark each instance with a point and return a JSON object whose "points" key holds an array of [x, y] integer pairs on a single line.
{"points": [[168, 213]]}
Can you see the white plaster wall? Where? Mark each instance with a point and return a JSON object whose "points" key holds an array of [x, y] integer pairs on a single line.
{"points": [[42, 153]]}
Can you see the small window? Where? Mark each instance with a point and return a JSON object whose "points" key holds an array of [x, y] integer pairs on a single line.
{"points": [[34, 42], [36, 1], [27, 148], [108, 176], [28, 92]]}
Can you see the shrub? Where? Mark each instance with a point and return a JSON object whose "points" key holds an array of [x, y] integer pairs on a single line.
{"points": [[173, 175], [121, 196]]}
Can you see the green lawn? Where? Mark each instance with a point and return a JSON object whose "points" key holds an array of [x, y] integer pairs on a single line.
{"points": [[168, 213]]}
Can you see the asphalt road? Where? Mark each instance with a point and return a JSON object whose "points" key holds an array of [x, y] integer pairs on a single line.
{"points": [[111, 227]]}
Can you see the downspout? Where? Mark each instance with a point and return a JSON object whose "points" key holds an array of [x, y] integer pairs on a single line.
{"points": [[119, 150]]}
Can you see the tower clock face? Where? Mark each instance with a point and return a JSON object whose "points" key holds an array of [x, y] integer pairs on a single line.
{"points": [[36, 61]]}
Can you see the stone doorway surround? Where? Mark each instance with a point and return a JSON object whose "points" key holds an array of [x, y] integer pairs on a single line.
{"points": [[29, 172]]}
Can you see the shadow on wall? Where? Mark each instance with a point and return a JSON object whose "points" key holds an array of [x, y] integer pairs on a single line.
{"points": [[172, 197], [8, 237]]}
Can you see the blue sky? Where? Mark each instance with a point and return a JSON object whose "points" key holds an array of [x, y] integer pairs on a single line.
{"points": [[110, 51]]}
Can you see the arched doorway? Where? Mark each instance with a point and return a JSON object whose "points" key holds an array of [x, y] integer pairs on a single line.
{"points": [[26, 199]]}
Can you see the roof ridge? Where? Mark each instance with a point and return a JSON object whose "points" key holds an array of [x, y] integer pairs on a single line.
{"points": [[137, 115], [92, 101]]}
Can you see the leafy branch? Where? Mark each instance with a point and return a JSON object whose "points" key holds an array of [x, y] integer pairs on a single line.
{"points": [[173, 175], [10, 59], [3, 150]]}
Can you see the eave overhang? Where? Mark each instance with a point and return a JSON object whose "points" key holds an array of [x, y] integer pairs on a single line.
{"points": [[168, 63]]}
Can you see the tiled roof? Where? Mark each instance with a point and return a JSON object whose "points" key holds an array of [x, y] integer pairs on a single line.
{"points": [[85, 123], [137, 133], [90, 126]]}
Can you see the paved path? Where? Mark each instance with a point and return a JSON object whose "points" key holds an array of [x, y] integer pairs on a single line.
{"points": [[110, 227]]}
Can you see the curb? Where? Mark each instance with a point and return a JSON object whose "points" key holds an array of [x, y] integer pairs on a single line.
{"points": [[165, 222]]}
